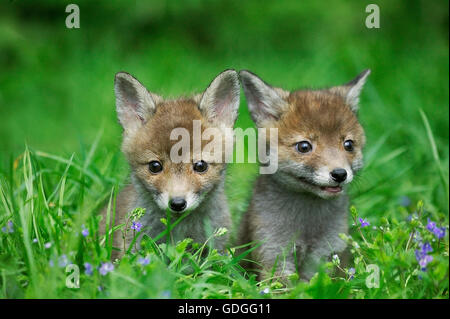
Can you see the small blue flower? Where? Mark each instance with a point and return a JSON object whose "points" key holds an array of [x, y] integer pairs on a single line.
{"points": [[84, 231], [136, 226], [51, 263], [417, 237], [351, 272], [105, 268], [363, 222], [404, 201], [47, 245], [63, 261], [88, 269], [166, 294], [9, 228], [143, 261], [265, 291], [35, 240]]}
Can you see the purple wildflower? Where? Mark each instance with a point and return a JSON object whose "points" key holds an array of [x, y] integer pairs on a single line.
{"points": [[364, 223], [51, 263], [47, 245], [88, 269], [143, 261], [84, 231], [105, 268], [136, 226], [422, 256], [424, 262], [426, 248], [431, 225], [35, 240], [439, 232]]}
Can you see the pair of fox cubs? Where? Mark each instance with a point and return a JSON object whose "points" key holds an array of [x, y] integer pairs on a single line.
{"points": [[296, 214]]}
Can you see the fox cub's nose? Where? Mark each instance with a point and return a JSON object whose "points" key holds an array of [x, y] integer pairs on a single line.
{"points": [[177, 204], [339, 175]]}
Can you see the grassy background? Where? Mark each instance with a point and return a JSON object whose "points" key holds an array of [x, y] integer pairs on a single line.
{"points": [[56, 84]]}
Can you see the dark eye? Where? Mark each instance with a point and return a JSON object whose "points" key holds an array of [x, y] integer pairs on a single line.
{"points": [[200, 166], [155, 167], [303, 147], [348, 145]]}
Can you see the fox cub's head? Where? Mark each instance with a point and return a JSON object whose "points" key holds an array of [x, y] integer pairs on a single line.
{"points": [[148, 120], [320, 140]]}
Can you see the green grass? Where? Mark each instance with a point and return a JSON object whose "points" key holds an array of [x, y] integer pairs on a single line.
{"points": [[57, 97], [50, 200]]}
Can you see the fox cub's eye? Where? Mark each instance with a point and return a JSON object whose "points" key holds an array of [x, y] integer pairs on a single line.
{"points": [[348, 145], [155, 167], [303, 147], [200, 166]]}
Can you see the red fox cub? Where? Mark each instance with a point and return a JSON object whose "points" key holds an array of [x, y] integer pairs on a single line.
{"points": [[297, 213], [157, 182]]}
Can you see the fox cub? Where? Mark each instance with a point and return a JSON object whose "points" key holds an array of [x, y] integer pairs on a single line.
{"points": [[298, 213], [159, 183]]}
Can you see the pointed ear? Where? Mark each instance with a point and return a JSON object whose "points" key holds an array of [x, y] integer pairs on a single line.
{"points": [[220, 101], [134, 104], [265, 103], [352, 90]]}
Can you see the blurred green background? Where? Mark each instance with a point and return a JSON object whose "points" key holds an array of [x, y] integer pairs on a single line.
{"points": [[56, 84]]}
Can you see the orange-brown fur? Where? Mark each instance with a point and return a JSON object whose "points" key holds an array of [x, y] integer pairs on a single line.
{"points": [[148, 121]]}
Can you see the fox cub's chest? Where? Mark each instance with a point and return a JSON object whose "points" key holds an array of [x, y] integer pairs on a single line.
{"points": [[312, 224]]}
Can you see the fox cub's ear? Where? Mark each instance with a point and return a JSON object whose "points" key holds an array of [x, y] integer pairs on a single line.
{"points": [[220, 101], [352, 90], [264, 102], [134, 104]]}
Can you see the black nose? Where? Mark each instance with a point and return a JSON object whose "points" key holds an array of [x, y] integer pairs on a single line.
{"points": [[177, 204], [339, 175]]}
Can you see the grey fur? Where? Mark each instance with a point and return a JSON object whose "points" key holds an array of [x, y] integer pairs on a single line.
{"points": [[287, 217]]}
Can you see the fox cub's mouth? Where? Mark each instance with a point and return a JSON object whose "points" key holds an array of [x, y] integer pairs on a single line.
{"points": [[329, 189]]}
